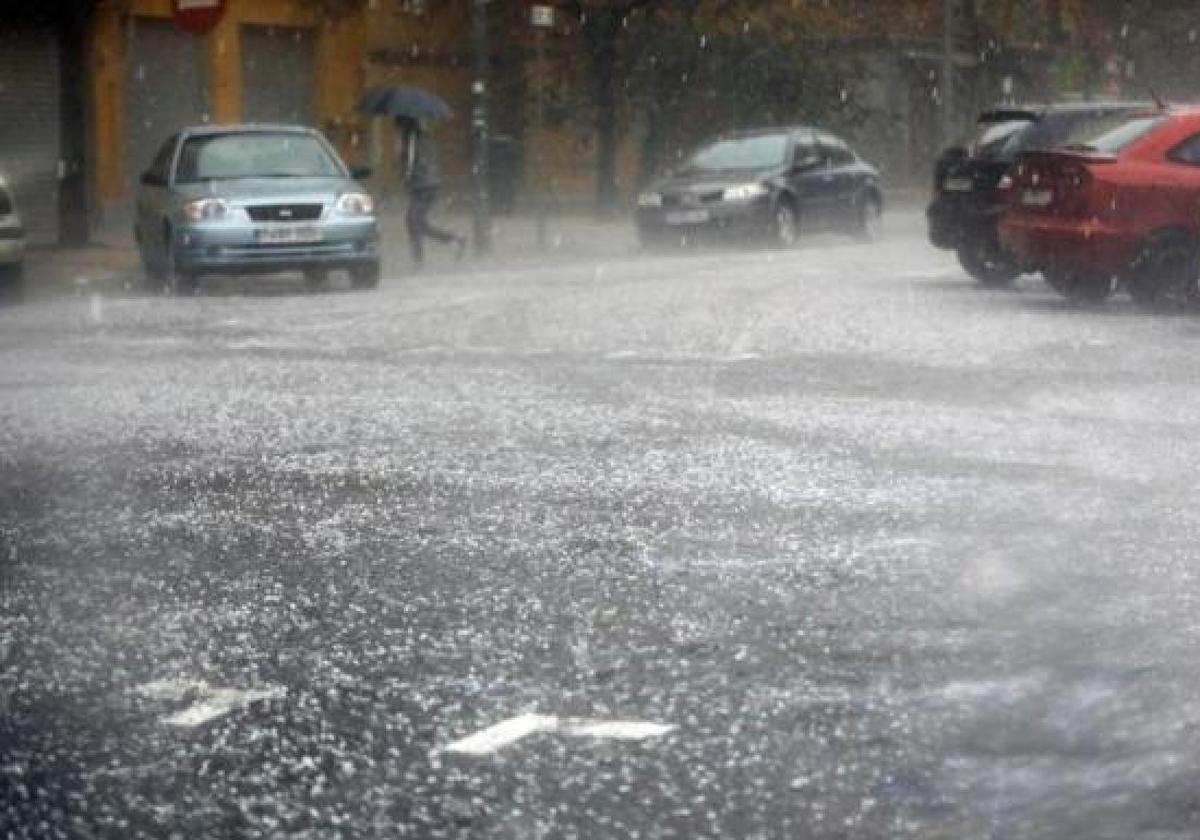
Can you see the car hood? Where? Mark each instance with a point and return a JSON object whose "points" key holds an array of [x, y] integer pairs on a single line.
{"points": [[253, 189], [711, 181]]}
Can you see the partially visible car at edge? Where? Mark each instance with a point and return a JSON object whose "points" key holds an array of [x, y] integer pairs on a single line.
{"points": [[239, 199], [767, 185], [1118, 207], [967, 203], [12, 237]]}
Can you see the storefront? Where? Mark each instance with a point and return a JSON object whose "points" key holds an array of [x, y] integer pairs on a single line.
{"points": [[153, 73], [41, 117]]}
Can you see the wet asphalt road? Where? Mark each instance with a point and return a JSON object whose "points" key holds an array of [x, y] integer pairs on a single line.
{"points": [[897, 557]]}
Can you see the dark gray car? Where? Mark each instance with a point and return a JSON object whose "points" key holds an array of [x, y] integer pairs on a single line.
{"points": [[766, 184], [253, 199]]}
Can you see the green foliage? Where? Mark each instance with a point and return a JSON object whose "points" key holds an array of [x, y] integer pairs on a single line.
{"points": [[687, 81]]}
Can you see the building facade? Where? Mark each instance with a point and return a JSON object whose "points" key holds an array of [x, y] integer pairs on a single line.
{"points": [[89, 88]]}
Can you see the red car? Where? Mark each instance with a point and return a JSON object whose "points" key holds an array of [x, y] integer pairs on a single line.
{"points": [[1121, 206]]}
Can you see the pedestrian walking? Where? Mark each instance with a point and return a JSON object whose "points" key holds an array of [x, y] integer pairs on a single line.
{"points": [[423, 180]]}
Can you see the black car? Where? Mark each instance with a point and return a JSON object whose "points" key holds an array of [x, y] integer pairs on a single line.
{"points": [[768, 184], [967, 205]]}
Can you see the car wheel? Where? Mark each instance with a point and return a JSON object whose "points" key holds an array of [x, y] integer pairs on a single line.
{"points": [[12, 282], [315, 278], [1079, 285], [785, 225], [175, 279], [869, 225], [984, 260], [152, 272], [1166, 275], [656, 240], [365, 276]]}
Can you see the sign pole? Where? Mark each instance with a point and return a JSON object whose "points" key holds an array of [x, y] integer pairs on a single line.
{"points": [[479, 129], [542, 18]]}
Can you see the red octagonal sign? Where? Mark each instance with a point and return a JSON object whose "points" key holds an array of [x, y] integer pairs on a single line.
{"points": [[198, 16]]}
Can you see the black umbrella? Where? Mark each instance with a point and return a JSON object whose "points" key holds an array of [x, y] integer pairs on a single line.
{"points": [[403, 101]]}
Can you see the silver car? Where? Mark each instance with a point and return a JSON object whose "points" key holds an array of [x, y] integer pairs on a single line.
{"points": [[12, 238], [253, 199]]}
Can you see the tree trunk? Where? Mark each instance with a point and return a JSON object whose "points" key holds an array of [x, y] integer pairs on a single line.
{"points": [[603, 28]]}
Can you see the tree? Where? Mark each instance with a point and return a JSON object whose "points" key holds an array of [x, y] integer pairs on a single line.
{"points": [[680, 65], [602, 24]]}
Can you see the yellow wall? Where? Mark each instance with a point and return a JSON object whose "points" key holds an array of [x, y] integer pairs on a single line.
{"points": [[339, 64]]}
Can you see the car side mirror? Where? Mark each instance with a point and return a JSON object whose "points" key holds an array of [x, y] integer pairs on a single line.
{"points": [[150, 179], [806, 162], [360, 173]]}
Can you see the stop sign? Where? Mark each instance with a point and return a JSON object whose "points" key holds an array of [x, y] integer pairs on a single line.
{"points": [[198, 16]]}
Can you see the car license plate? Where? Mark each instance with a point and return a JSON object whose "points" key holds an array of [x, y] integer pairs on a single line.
{"points": [[687, 217], [289, 233], [959, 185], [1037, 198]]}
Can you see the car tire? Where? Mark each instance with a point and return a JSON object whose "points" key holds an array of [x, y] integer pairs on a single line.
{"points": [[12, 282], [784, 231], [869, 225], [652, 241], [366, 276], [986, 262], [315, 278], [1167, 274], [175, 280], [1080, 286]]}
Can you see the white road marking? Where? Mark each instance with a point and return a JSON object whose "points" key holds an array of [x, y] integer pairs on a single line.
{"points": [[207, 703], [501, 735], [508, 732]]}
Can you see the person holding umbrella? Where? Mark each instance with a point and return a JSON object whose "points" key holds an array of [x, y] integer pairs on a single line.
{"points": [[414, 109], [423, 180]]}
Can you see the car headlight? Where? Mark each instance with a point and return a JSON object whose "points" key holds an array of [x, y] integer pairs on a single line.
{"points": [[744, 192], [649, 199], [355, 204], [207, 210]]}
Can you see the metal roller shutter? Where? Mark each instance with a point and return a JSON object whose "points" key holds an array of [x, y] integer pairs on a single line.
{"points": [[277, 74], [31, 126], [166, 89]]}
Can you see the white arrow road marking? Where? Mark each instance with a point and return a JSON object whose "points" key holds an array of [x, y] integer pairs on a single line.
{"points": [[207, 703], [508, 732]]}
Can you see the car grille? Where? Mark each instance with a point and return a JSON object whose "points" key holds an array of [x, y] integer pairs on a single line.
{"points": [[274, 251], [284, 212], [692, 199], [11, 233]]}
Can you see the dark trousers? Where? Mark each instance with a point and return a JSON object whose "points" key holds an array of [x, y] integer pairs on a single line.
{"points": [[420, 202]]}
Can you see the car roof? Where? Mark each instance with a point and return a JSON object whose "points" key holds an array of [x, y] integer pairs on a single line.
{"points": [[1036, 111], [244, 128], [776, 129]]}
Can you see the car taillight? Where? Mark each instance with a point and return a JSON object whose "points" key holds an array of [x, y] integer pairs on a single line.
{"points": [[1053, 186]]}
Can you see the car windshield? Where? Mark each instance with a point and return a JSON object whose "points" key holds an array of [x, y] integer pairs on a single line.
{"points": [[1065, 128], [991, 137], [762, 151], [257, 154], [6, 205], [1116, 135]]}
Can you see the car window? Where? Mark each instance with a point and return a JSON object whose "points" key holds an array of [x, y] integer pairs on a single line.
{"points": [[761, 151], [1115, 139], [1057, 129], [160, 167], [256, 154], [835, 151], [805, 150], [990, 137], [1187, 152]]}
